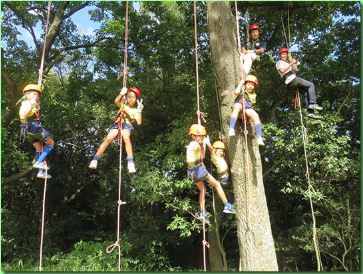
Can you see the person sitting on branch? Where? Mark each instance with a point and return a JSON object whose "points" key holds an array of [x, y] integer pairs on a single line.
{"points": [[250, 99], [130, 112], [32, 129], [287, 68], [197, 171], [254, 49]]}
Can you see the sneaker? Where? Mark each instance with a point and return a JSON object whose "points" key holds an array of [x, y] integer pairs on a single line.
{"points": [[40, 165], [313, 115], [260, 141], [228, 208], [231, 132], [203, 217], [93, 164], [131, 167], [41, 174], [315, 107]]}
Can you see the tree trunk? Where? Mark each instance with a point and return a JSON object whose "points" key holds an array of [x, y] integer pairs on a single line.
{"points": [[256, 246]]}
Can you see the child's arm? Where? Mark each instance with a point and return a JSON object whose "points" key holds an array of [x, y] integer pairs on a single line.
{"points": [[121, 97], [237, 91], [25, 110]]}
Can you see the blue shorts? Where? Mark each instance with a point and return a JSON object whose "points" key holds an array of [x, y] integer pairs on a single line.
{"points": [[248, 104], [198, 173], [36, 133], [225, 181], [124, 126]]}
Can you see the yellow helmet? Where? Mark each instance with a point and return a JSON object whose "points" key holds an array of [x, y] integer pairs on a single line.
{"points": [[32, 87], [197, 129], [219, 144], [251, 78]]}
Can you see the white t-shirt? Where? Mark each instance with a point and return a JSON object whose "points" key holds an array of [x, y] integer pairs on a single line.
{"points": [[282, 64]]}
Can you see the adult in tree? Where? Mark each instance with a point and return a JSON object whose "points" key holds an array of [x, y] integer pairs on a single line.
{"points": [[287, 68]]}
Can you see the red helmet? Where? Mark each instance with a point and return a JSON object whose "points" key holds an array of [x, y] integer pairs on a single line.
{"points": [[281, 50], [136, 90], [254, 26]]}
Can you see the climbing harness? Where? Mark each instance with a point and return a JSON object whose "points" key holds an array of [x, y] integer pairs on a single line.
{"points": [[246, 154], [46, 170], [110, 248]]}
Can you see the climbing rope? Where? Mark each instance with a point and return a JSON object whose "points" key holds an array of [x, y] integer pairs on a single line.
{"points": [[297, 103], [200, 116], [196, 60], [246, 154], [110, 248], [40, 79], [310, 189]]}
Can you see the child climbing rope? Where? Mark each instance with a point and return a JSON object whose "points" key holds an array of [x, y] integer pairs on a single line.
{"points": [[250, 99], [217, 156], [130, 111], [198, 173], [253, 50], [32, 129], [287, 68]]}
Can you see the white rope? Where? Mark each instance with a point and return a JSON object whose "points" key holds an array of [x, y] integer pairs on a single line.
{"points": [[40, 79]]}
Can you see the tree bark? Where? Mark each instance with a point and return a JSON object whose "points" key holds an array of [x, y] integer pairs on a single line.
{"points": [[256, 245]]}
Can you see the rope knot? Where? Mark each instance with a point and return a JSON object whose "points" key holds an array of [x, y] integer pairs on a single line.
{"points": [[204, 242], [110, 248], [120, 202]]}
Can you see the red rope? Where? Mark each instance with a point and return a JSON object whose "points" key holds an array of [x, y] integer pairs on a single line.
{"points": [[296, 100]]}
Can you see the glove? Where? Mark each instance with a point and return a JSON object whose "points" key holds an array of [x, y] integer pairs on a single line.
{"points": [[140, 106], [206, 141], [123, 91]]}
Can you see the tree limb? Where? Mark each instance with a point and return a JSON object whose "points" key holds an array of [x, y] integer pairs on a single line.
{"points": [[17, 176]]}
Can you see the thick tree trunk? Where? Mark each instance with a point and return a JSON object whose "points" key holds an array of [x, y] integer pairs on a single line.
{"points": [[256, 246]]}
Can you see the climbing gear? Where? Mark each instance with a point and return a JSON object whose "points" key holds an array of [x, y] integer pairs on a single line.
{"points": [[110, 248], [281, 50], [253, 27], [203, 217], [219, 144], [229, 208], [197, 129], [136, 90], [93, 164], [252, 79], [32, 87]]}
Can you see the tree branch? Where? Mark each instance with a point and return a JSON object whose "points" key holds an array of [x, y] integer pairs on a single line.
{"points": [[18, 175], [74, 10]]}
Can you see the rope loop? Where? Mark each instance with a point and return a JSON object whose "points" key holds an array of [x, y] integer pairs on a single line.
{"points": [[110, 248], [120, 202], [204, 242]]}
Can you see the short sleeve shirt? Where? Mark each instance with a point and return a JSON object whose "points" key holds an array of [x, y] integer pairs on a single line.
{"points": [[257, 44], [195, 152]]}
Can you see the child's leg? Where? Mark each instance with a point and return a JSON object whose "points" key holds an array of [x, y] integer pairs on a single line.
{"points": [[49, 145], [247, 62], [234, 116], [252, 114], [106, 142], [202, 191], [38, 150], [126, 136], [213, 182]]}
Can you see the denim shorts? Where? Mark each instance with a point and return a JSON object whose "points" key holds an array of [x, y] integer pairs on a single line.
{"points": [[248, 104], [124, 126], [225, 181], [36, 133], [198, 173]]}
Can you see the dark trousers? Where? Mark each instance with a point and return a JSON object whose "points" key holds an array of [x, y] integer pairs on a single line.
{"points": [[306, 89]]}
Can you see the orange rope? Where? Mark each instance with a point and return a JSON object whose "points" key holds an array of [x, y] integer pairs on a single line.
{"points": [[43, 54], [196, 58], [110, 248]]}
